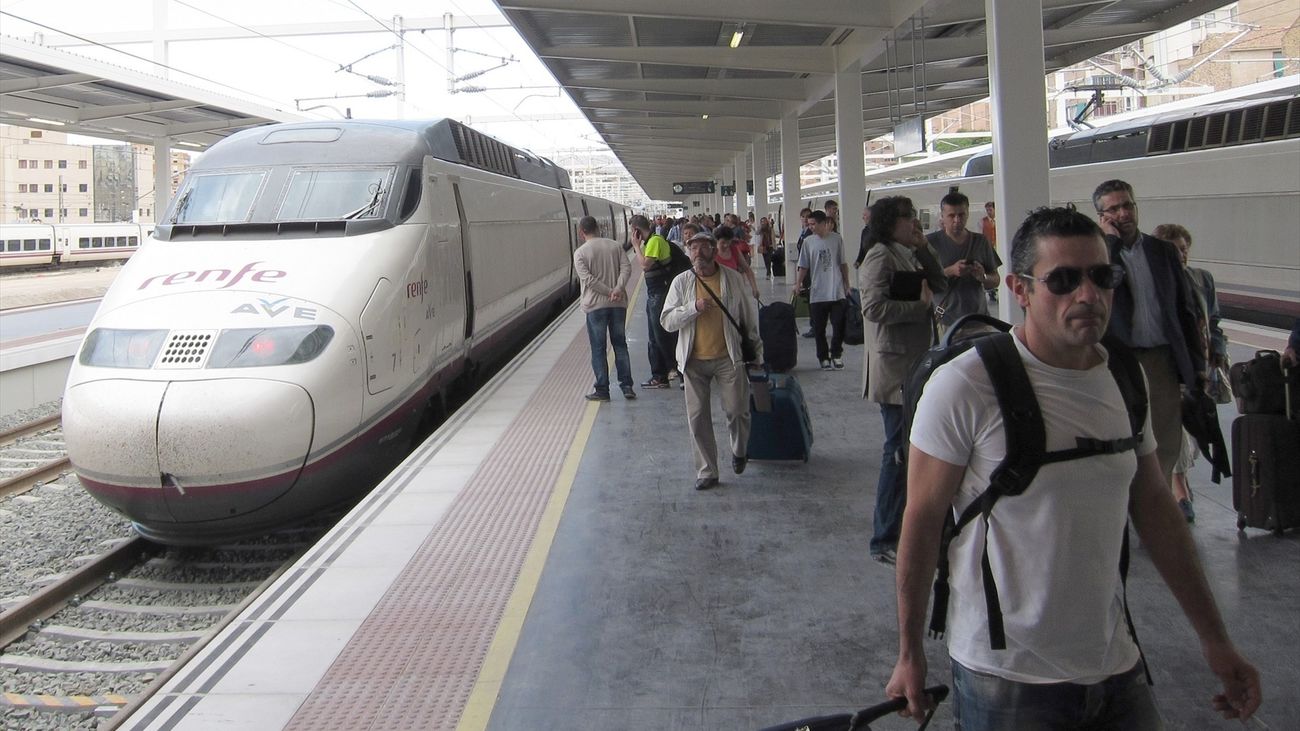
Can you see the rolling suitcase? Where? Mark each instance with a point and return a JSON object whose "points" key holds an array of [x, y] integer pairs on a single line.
{"points": [[780, 428], [778, 262], [860, 721], [780, 335], [1266, 450]]}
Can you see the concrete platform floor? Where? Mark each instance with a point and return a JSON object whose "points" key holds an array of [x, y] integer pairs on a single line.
{"points": [[753, 603]]}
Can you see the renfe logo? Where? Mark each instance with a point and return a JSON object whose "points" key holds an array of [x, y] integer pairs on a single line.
{"points": [[218, 275]]}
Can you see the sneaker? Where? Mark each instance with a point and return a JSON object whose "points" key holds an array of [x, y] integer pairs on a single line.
{"points": [[597, 396], [657, 383], [889, 557], [1185, 505], [837, 363], [628, 394], [810, 334], [826, 365]]}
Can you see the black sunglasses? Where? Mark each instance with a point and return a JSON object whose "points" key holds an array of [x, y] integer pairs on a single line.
{"points": [[1064, 280]]}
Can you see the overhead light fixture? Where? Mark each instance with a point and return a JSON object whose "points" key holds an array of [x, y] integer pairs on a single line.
{"points": [[46, 121], [735, 37], [704, 116], [189, 144]]}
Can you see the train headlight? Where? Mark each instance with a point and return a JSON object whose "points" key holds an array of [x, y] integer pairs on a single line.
{"points": [[269, 346], [112, 348]]}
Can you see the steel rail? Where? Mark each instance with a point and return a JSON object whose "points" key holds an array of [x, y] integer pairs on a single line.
{"points": [[10, 436], [15, 622], [22, 483]]}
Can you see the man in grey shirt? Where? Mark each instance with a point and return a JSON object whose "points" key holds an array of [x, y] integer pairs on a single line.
{"points": [[967, 258], [822, 258]]}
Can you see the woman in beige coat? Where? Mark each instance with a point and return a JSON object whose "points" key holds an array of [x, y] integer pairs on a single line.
{"points": [[899, 329]]}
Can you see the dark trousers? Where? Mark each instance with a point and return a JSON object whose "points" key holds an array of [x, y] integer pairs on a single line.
{"points": [[891, 487], [661, 345], [820, 312]]}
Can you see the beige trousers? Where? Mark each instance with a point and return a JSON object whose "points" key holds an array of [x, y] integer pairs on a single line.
{"points": [[1166, 405], [733, 389]]}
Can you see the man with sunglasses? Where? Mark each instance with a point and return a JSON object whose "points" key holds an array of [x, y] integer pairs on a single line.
{"points": [[1154, 314], [1053, 551]]}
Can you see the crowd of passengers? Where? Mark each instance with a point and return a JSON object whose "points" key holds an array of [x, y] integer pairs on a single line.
{"points": [[1053, 649]]}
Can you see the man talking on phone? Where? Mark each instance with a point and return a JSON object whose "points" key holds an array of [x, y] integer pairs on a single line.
{"points": [[968, 260]]}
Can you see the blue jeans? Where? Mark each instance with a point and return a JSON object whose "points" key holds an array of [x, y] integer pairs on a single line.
{"points": [[661, 345], [1122, 702], [599, 322], [891, 489]]}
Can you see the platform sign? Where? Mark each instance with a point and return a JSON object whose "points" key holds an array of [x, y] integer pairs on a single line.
{"points": [[749, 186], [728, 191], [909, 137], [694, 188]]}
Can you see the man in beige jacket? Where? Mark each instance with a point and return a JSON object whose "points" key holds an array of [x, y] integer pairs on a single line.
{"points": [[603, 270]]}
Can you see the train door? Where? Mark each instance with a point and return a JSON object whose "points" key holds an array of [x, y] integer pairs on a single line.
{"points": [[467, 261], [446, 295]]}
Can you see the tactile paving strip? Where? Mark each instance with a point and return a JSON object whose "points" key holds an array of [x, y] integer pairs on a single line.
{"points": [[414, 661]]}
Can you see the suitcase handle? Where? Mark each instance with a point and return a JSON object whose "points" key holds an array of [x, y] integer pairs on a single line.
{"points": [[865, 716]]}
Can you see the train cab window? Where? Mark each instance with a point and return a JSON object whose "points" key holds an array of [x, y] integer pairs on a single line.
{"points": [[218, 198], [334, 195], [411, 198]]}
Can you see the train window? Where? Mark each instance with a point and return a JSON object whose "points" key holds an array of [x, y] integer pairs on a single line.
{"points": [[96, 242], [218, 198], [411, 198], [44, 244], [12, 245], [333, 195], [83, 242], [121, 241], [29, 244], [132, 241]]}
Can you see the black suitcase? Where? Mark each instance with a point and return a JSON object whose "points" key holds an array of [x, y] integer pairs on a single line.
{"points": [[779, 425], [778, 262], [859, 721], [1266, 472], [1260, 385], [780, 334]]}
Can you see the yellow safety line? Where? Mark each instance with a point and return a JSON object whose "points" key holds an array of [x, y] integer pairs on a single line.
{"points": [[482, 700], [492, 674]]}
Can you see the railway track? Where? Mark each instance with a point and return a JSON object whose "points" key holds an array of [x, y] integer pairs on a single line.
{"points": [[31, 454], [106, 635]]}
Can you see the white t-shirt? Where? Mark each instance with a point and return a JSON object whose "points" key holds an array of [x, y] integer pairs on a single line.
{"points": [[1054, 549], [824, 259]]}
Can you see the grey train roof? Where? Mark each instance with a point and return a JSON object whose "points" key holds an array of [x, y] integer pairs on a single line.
{"points": [[386, 142]]}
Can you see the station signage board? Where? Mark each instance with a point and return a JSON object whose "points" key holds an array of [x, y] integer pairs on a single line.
{"points": [[728, 191], [693, 188]]}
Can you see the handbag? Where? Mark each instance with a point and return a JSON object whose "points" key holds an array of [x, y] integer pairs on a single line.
{"points": [[748, 351]]}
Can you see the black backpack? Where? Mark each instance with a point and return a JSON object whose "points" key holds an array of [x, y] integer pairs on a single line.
{"points": [[680, 262], [1026, 447]]}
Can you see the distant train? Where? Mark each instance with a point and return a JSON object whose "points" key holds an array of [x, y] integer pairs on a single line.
{"points": [[1229, 172], [314, 291], [43, 244]]}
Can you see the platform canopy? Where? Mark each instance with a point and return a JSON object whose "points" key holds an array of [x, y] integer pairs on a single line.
{"points": [[46, 88], [647, 73]]}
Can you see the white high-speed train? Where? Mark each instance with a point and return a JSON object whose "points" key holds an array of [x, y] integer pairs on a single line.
{"points": [[1229, 172], [313, 291], [41, 244]]}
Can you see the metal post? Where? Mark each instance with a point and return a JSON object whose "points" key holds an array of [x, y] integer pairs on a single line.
{"points": [[401, 67], [848, 148], [760, 178], [160, 37], [742, 202], [1019, 118], [451, 53], [791, 192], [162, 175]]}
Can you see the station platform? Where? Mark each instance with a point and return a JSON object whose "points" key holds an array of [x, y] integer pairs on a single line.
{"points": [[542, 562]]}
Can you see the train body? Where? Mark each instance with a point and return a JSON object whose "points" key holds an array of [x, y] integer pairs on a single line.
{"points": [[1229, 172], [313, 292], [42, 244]]}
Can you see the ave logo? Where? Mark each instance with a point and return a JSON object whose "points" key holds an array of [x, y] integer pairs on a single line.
{"points": [[275, 308]]}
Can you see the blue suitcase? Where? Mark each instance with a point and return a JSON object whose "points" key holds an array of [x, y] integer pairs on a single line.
{"points": [[779, 424]]}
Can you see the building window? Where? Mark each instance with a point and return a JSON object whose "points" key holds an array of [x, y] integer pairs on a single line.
{"points": [[81, 164], [83, 212], [63, 164], [83, 188], [22, 164], [49, 213], [36, 134], [63, 187], [22, 213], [22, 187], [49, 164], [49, 187], [1279, 65], [63, 213]]}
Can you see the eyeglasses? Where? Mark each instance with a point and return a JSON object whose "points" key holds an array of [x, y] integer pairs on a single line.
{"points": [[1064, 280], [1129, 206]]}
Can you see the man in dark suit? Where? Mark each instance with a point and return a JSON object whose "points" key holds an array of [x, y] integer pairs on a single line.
{"points": [[1154, 314]]}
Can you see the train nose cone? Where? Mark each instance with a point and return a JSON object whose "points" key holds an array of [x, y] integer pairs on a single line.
{"points": [[188, 451]]}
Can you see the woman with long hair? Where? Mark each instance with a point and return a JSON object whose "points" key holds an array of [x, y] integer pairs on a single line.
{"points": [[766, 245]]}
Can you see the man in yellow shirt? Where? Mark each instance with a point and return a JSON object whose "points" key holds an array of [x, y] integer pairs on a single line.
{"points": [[709, 349]]}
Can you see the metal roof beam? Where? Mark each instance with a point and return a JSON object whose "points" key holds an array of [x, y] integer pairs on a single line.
{"points": [[229, 32], [959, 14], [734, 147], [829, 13], [738, 124], [48, 81], [173, 130], [789, 59], [782, 89], [122, 110], [755, 110], [667, 134]]}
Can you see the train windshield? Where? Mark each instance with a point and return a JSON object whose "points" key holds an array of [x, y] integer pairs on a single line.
{"points": [[333, 195], [218, 198]]}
